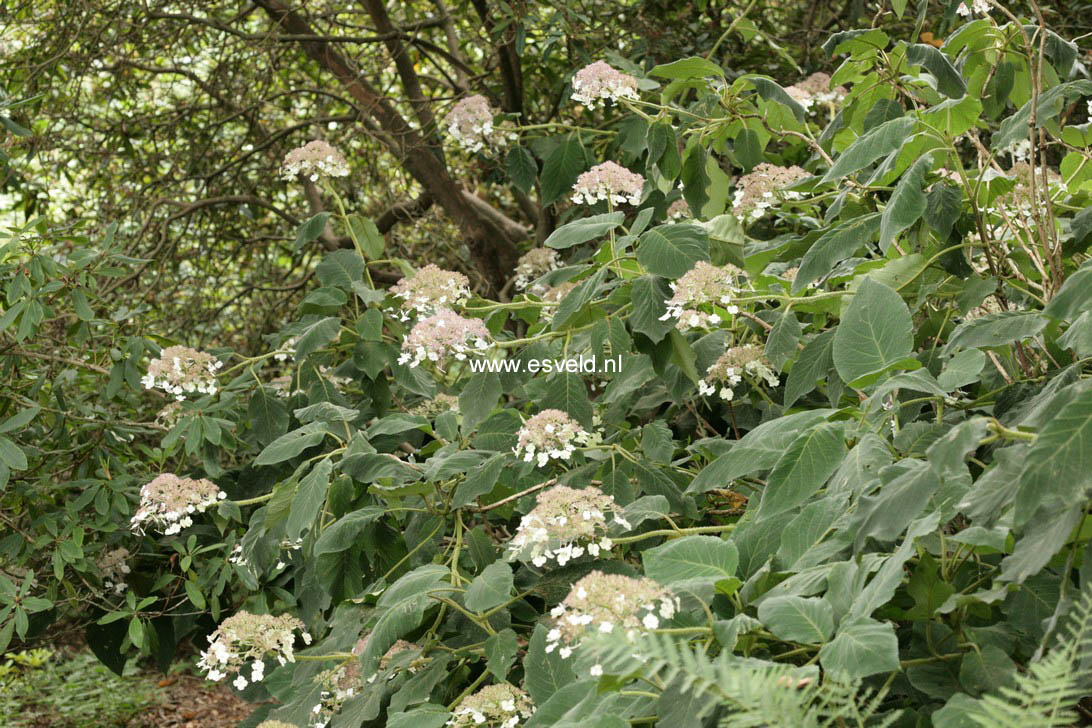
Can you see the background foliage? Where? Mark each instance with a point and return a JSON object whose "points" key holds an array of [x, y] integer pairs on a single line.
{"points": [[895, 532]]}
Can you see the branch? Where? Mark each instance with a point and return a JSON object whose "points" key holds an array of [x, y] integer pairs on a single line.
{"points": [[404, 65]]}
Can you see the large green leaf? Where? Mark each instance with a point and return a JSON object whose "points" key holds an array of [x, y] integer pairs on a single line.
{"points": [[347, 530], [12, 455], [692, 559], [568, 392], [401, 608], [478, 398], [672, 250], [1058, 467], [544, 672], [798, 619], [649, 294], [291, 444], [584, 229], [834, 246], [996, 329], [872, 145], [803, 469], [863, 647], [490, 588], [685, 68], [949, 82], [308, 499], [561, 169], [340, 268], [875, 333], [907, 202], [812, 365], [758, 450]]}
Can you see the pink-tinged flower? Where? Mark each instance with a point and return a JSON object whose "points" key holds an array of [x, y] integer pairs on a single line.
{"points": [[313, 160], [180, 370], [246, 637], [732, 366], [470, 123], [549, 435], [565, 524], [443, 336], [599, 82], [431, 289], [704, 286], [168, 502], [761, 189], [608, 181], [609, 603], [494, 706]]}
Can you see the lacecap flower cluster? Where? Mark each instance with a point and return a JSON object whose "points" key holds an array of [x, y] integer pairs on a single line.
{"points": [[443, 336], [430, 290], [168, 503], [248, 638], [180, 370], [599, 82], [703, 286], [549, 435], [732, 366], [608, 181], [565, 524], [313, 160]]}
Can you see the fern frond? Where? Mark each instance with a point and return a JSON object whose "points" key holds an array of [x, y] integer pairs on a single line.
{"points": [[1046, 694], [751, 693]]}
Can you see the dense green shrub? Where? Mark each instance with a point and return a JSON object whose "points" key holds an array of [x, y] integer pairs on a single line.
{"points": [[840, 475]]}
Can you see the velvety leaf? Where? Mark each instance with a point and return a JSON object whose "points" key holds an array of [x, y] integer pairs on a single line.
{"points": [[583, 229], [803, 469], [672, 250], [861, 648], [490, 588], [691, 559], [872, 145], [875, 333], [907, 202], [834, 246], [798, 619]]}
